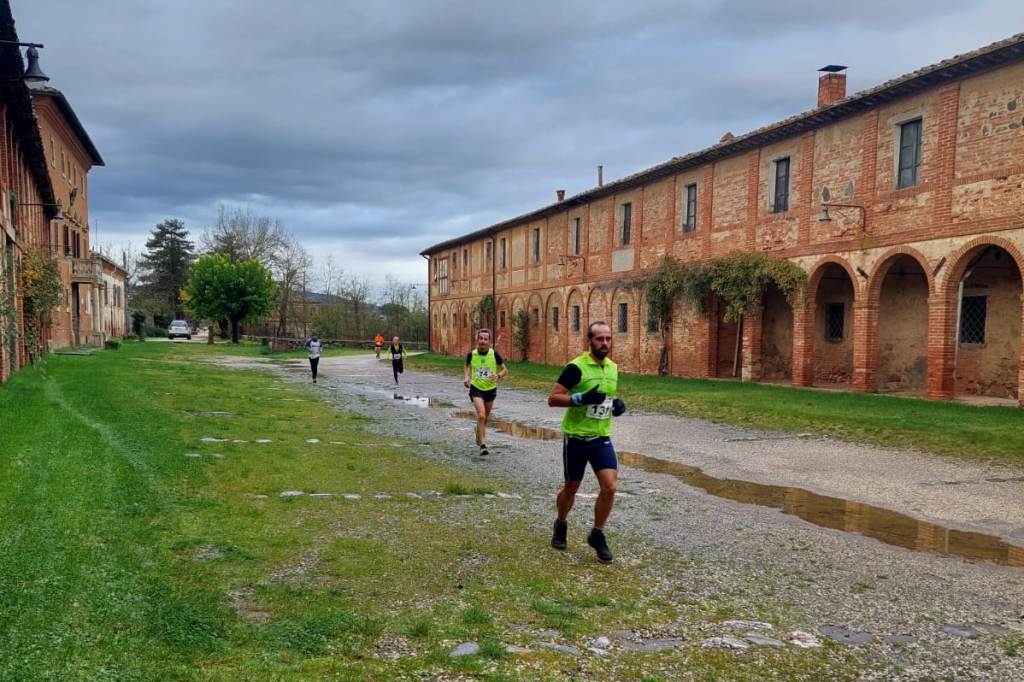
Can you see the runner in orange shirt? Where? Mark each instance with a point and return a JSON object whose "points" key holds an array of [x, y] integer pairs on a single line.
{"points": [[378, 343]]}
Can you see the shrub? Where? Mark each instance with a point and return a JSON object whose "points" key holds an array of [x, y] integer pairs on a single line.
{"points": [[153, 330], [112, 344]]}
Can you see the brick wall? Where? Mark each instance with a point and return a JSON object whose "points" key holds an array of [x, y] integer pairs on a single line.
{"points": [[895, 267]]}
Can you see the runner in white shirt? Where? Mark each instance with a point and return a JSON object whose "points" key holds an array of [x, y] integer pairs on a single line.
{"points": [[314, 346]]}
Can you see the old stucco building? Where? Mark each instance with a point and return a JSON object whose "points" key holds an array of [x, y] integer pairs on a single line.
{"points": [[70, 155], [914, 283], [27, 202]]}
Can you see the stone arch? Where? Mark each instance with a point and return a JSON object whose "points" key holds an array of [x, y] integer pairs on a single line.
{"points": [[825, 328], [818, 270], [886, 261], [626, 348], [535, 307], [574, 337], [502, 326], [597, 308], [554, 347], [898, 297], [981, 333]]}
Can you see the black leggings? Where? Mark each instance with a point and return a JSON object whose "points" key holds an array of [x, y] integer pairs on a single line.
{"points": [[397, 368], [313, 362]]}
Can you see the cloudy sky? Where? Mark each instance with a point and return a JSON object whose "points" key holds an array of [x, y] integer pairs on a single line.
{"points": [[374, 129]]}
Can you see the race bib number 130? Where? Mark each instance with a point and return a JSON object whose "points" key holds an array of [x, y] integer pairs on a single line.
{"points": [[602, 411]]}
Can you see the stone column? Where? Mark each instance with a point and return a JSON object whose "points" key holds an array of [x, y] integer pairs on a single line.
{"points": [[803, 342], [941, 346], [753, 337], [865, 347]]}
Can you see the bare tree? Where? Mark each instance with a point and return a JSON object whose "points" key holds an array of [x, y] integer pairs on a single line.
{"points": [[356, 292], [291, 265], [241, 235]]}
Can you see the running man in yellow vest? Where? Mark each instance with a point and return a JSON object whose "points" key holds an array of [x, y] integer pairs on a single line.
{"points": [[484, 367], [587, 387]]}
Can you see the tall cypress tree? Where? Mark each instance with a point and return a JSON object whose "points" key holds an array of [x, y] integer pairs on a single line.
{"points": [[169, 254]]}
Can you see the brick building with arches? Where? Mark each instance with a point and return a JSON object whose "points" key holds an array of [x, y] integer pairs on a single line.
{"points": [[904, 204]]}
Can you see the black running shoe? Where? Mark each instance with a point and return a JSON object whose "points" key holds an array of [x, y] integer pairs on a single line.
{"points": [[558, 536], [600, 545], [483, 451]]}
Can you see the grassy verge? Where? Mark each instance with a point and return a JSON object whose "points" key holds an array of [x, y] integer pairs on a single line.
{"points": [[134, 550], [995, 433]]}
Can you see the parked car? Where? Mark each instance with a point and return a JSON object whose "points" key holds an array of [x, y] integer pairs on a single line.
{"points": [[179, 329]]}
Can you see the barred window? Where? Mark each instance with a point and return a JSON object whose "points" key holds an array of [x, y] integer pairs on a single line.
{"points": [[502, 259], [574, 237], [554, 318], [623, 318], [652, 320], [575, 318], [501, 316], [835, 319], [536, 317], [535, 250], [973, 316]]}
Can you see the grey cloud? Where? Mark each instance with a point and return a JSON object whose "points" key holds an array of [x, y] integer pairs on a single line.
{"points": [[375, 129]]}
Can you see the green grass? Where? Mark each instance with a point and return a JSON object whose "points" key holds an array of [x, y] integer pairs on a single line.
{"points": [[123, 559], [995, 433]]}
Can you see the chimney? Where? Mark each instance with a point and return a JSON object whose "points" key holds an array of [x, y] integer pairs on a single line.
{"points": [[560, 193], [600, 176], [831, 84]]}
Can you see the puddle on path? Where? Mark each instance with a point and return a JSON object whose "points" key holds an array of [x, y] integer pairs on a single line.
{"points": [[422, 401], [885, 525], [514, 428]]}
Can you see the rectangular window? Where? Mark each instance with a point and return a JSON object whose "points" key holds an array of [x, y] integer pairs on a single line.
{"points": [[488, 251], [781, 204], [442, 277], [554, 318], [535, 246], [835, 318], [501, 317], [690, 215], [910, 154], [455, 261], [973, 319], [623, 318], [501, 254], [465, 260], [535, 317], [575, 318], [627, 224], [574, 237]]}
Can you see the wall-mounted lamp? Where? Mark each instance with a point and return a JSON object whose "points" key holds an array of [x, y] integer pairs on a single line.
{"points": [[826, 218]]}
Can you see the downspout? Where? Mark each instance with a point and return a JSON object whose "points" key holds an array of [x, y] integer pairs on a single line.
{"points": [[430, 308], [494, 288]]}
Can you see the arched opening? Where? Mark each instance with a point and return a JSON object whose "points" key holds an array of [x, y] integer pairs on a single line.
{"points": [[777, 337], [833, 327], [903, 327], [987, 350], [554, 326]]}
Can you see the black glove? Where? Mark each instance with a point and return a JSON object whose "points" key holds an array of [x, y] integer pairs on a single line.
{"points": [[618, 407], [592, 397]]}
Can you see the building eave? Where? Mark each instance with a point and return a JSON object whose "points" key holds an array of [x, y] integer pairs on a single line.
{"points": [[68, 112]]}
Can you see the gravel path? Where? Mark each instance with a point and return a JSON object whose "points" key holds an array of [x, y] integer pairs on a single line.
{"points": [[917, 614]]}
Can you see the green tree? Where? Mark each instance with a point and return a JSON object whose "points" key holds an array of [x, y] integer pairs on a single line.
{"points": [[220, 289], [165, 268]]}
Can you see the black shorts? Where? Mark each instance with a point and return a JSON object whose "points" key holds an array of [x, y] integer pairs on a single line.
{"points": [[488, 396], [578, 452]]}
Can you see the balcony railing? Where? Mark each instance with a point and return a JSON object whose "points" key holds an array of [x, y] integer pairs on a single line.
{"points": [[86, 270]]}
